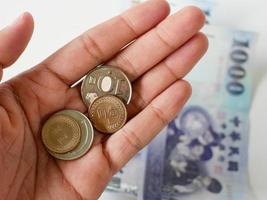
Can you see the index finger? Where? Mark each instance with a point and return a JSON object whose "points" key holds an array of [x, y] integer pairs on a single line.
{"points": [[102, 42]]}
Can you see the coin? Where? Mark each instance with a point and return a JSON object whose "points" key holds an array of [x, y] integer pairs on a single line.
{"points": [[61, 133], [106, 80], [87, 136], [108, 114]]}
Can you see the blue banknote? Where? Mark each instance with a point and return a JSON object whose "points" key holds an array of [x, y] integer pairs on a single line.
{"points": [[203, 152], [125, 185]]}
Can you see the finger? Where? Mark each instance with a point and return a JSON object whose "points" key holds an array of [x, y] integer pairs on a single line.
{"points": [[155, 45], [173, 68], [140, 130], [156, 80], [101, 43], [14, 39]]}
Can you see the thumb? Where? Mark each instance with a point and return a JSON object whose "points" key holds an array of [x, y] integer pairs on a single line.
{"points": [[14, 39]]}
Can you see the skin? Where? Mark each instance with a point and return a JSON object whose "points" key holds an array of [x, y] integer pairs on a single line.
{"points": [[164, 51]]}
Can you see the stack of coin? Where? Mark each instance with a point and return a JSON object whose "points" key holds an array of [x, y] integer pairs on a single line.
{"points": [[69, 134], [105, 91]]}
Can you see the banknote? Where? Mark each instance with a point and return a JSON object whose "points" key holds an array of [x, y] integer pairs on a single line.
{"points": [[125, 185], [203, 152]]}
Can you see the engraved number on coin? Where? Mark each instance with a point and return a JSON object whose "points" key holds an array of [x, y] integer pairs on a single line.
{"points": [[106, 114], [106, 83]]}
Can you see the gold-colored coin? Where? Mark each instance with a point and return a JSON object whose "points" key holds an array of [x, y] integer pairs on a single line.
{"points": [[61, 134], [108, 114], [87, 136], [106, 80]]}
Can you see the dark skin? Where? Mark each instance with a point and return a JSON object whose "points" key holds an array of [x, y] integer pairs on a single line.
{"points": [[165, 50]]}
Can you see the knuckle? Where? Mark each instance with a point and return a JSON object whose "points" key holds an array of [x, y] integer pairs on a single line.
{"points": [[159, 114], [138, 102], [92, 47], [123, 60], [175, 74], [128, 23], [132, 139], [164, 36]]}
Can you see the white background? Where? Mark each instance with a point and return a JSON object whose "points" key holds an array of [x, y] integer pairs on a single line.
{"points": [[57, 22]]}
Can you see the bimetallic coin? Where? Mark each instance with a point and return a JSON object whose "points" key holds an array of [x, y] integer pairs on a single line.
{"points": [[106, 80], [61, 133], [108, 114], [87, 136]]}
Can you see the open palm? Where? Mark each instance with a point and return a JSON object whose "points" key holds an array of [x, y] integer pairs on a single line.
{"points": [[163, 51]]}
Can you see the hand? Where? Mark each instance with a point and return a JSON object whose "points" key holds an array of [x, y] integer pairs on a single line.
{"points": [[164, 51]]}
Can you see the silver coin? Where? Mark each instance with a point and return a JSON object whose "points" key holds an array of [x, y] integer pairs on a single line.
{"points": [[106, 80], [87, 136]]}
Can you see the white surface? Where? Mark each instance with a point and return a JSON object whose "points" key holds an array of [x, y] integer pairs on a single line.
{"points": [[258, 149], [57, 22]]}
